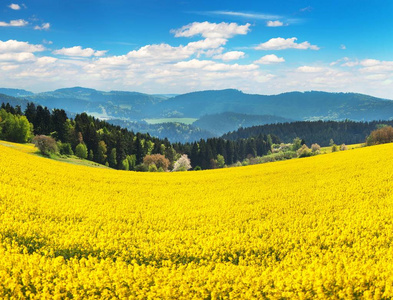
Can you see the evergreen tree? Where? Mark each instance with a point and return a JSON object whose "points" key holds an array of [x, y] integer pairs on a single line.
{"points": [[194, 156], [42, 121], [101, 153], [229, 149], [58, 121], [112, 158], [91, 155], [31, 112], [138, 150]]}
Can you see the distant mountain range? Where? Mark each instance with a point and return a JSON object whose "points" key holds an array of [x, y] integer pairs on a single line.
{"points": [[293, 105], [217, 112], [224, 122]]}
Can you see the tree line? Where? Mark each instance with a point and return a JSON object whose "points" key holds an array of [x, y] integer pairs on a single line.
{"points": [[119, 148], [321, 132]]}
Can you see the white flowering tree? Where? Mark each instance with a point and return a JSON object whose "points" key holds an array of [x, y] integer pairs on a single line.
{"points": [[182, 164]]}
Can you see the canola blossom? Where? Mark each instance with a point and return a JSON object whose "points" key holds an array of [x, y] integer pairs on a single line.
{"points": [[311, 228]]}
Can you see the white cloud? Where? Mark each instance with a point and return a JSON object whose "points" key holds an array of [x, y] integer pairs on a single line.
{"points": [[193, 64], [350, 64], [45, 60], [14, 6], [306, 9], [16, 46], [212, 52], [44, 26], [246, 15], [161, 52], [163, 68], [377, 77], [9, 67], [308, 69], [231, 55], [227, 67], [78, 51], [212, 30], [376, 66], [370, 62], [14, 23], [17, 57], [207, 43], [148, 55], [281, 44], [269, 59], [274, 24], [343, 47]]}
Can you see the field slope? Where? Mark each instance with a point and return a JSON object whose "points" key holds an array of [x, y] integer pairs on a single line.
{"points": [[318, 227]]}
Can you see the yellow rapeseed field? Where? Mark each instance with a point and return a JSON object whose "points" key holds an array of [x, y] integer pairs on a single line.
{"points": [[319, 227]]}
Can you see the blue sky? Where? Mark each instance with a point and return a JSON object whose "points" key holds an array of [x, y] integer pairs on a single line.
{"points": [[264, 47]]}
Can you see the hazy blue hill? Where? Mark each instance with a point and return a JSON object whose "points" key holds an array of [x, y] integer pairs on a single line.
{"points": [[113, 104], [13, 101], [229, 121], [294, 105], [330, 106], [174, 132], [198, 104], [15, 92]]}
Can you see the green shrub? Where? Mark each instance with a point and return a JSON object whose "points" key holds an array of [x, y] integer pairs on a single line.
{"points": [[65, 148], [81, 151], [46, 144]]}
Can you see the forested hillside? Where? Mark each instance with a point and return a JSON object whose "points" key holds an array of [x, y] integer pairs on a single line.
{"points": [[294, 105], [321, 132], [119, 148], [217, 111], [224, 122]]}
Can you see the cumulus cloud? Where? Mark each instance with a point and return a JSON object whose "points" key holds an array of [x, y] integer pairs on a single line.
{"points": [[231, 55], [369, 65], [370, 62], [44, 26], [13, 46], [376, 66], [14, 23], [46, 60], [78, 51], [207, 43], [163, 68], [350, 64], [309, 69], [281, 44], [274, 24], [14, 6], [269, 59], [17, 57], [212, 30], [193, 64], [16, 51], [228, 67], [161, 52], [147, 55]]}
